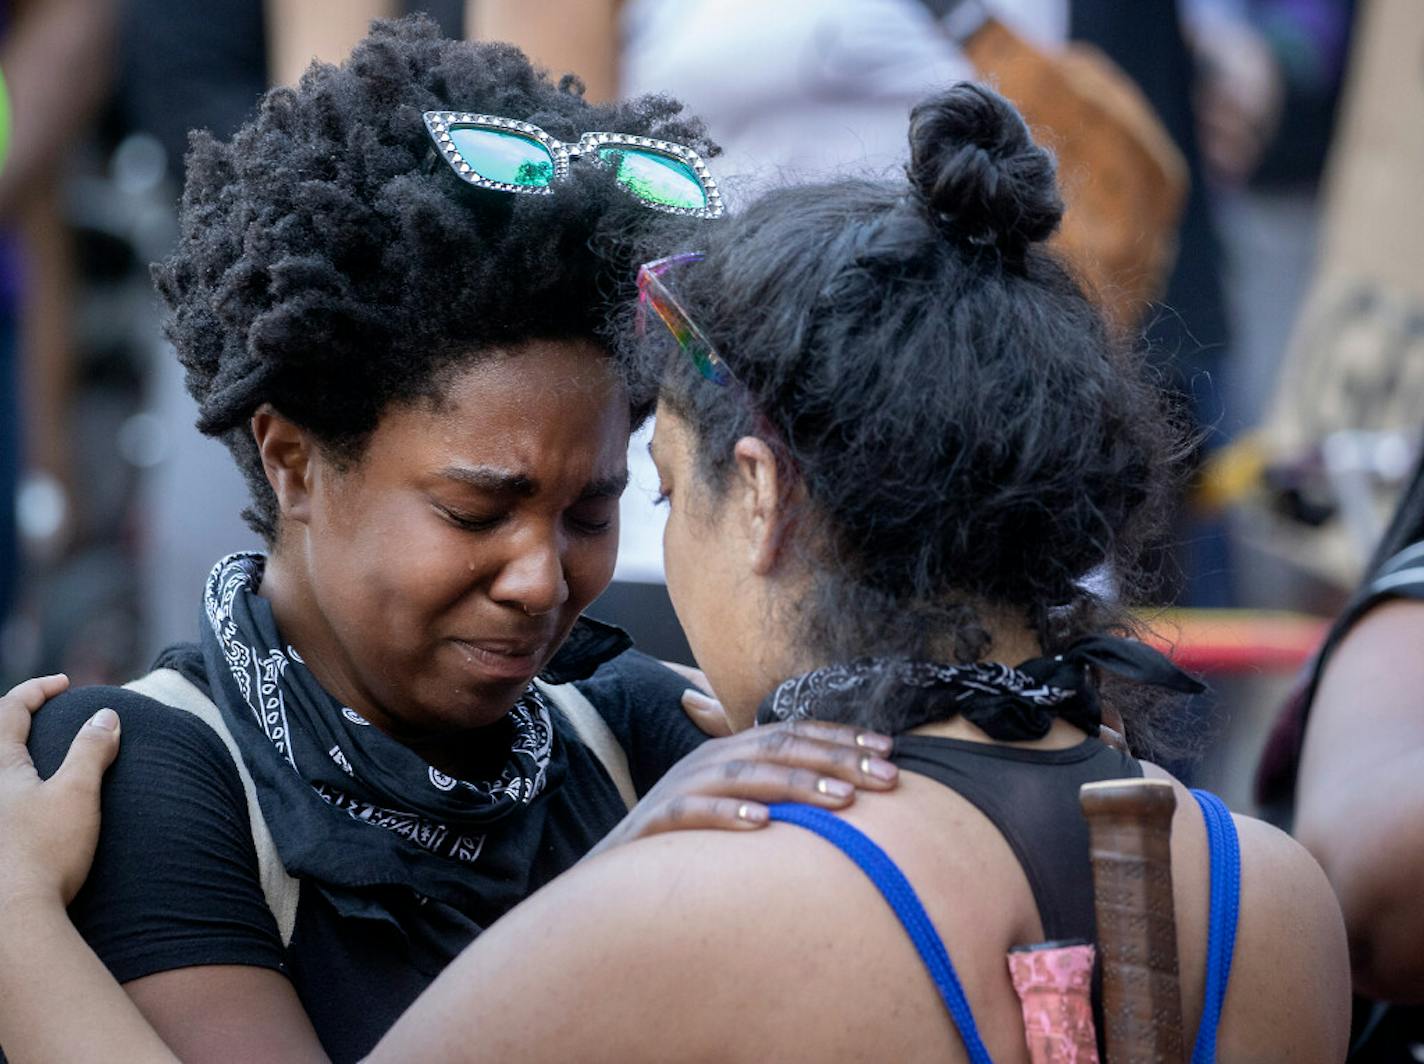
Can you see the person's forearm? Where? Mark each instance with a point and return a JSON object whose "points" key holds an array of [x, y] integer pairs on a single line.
{"points": [[57, 1000], [568, 35], [1370, 840], [56, 60], [300, 31]]}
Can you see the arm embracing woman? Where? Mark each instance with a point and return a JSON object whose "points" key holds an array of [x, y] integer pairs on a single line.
{"points": [[51, 828]]}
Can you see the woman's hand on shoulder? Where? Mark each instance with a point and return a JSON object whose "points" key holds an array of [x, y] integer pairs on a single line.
{"points": [[728, 783], [49, 828]]}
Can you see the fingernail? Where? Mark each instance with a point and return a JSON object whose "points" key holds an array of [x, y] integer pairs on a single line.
{"points": [[698, 697], [752, 814], [881, 744], [105, 720], [878, 768], [834, 788]]}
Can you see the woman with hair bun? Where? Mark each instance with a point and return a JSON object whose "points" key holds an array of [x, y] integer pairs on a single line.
{"points": [[894, 437]]}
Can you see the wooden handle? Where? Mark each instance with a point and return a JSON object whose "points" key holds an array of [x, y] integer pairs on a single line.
{"points": [[1130, 828]]}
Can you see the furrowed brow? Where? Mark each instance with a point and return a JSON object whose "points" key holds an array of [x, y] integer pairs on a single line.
{"points": [[607, 487], [487, 478]]}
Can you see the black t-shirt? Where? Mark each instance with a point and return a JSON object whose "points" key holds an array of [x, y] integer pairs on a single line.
{"points": [[175, 878]]}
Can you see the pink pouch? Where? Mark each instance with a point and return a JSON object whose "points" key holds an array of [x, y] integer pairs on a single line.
{"points": [[1054, 981]]}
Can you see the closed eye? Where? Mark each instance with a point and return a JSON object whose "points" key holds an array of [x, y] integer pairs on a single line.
{"points": [[590, 528], [593, 517], [469, 522]]}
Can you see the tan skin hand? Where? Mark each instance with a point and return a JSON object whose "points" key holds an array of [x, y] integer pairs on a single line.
{"points": [[52, 856]]}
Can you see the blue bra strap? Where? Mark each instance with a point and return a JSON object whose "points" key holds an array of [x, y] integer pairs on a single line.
{"points": [[891, 882], [1225, 851]]}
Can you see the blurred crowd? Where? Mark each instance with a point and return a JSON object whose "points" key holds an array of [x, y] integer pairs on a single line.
{"points": [[120, 505]]}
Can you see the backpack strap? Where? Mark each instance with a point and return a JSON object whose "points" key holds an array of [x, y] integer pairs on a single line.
{"points": [[280, 889], [595, 733]]}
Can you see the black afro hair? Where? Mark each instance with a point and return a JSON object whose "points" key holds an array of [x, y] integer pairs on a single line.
{"points": [[325, 268]]}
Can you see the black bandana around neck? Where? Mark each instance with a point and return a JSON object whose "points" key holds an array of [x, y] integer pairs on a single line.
{"points": [[1010, 704], [352, 810]]}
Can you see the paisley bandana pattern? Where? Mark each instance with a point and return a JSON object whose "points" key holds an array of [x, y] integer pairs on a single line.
{"points": [[1009, 703], [289, 707], [370, 828], [797, 698]]}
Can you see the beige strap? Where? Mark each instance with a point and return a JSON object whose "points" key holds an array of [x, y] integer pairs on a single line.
{"points": [[279, 888], [595, 733]]}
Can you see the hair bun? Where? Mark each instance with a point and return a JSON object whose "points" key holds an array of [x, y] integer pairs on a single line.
{"points": [[976, 167]]}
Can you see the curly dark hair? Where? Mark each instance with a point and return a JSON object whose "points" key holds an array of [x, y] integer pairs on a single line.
{"points": [[325, 269], [968, 431]]}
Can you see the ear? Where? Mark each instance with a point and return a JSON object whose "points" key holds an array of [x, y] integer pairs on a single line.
{"points": [[765, 491], [287, 452]]}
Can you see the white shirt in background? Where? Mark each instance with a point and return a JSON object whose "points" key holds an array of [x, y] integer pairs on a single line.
{"points": [[793, 91]]}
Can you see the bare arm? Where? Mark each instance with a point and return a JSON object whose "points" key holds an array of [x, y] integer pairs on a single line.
{"points": [[637, 955], [56, 60], [214, 1013], [58, 1001], [1360, 798], [1289, 995], [221, 1013], [42, 958], [563, 35], [57, 967], [299, 31]]}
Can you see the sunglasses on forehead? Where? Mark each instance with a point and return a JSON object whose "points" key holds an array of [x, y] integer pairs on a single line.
{"points": [[507, 155], [654, 293]]}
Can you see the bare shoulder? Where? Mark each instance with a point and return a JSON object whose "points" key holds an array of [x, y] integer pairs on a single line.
{"points": [[1289, 994], [1283, 883], [645, 952]]}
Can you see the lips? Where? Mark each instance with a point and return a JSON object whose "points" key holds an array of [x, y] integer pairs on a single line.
{"points": [[503, 659]]}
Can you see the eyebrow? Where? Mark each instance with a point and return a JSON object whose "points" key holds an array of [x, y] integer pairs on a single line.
{"points": [[504, 482]]}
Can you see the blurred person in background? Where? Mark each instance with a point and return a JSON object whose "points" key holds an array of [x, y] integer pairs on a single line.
{"points": [[1270, 77], [1347, 762], [1343, 767], [55, 57]]}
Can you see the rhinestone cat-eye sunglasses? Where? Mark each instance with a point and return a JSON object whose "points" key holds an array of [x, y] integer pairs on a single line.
{"points": [[507, 155]]}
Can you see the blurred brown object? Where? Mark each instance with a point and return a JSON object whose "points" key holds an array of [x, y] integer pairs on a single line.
{"points": [[1130, 829], [1240, 93], [1124, 179], [57, 58], [581, 36], [1355, 362], [301, 32]]}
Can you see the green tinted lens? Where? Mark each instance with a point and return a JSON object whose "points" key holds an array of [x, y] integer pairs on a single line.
{"points": [[499, 155], [655, 177]]}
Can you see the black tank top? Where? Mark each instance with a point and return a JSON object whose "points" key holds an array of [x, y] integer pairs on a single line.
{"points": [[1031, 796]]}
